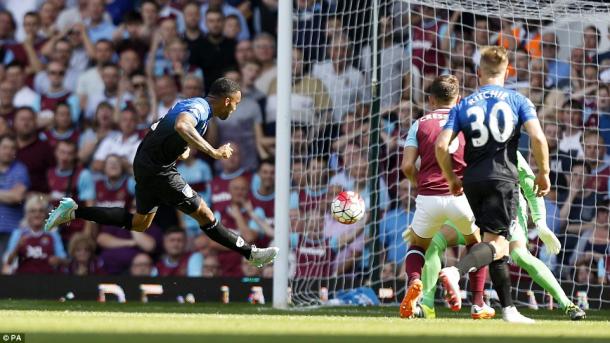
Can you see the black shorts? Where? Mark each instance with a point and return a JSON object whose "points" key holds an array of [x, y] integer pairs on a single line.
{"points": [[166, 187], [494, 204]]}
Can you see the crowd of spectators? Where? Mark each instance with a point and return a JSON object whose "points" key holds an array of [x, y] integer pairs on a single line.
{"points": [[81, 81]]}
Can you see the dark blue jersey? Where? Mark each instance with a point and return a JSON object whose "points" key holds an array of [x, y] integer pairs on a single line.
{"points": [[162, 145], [491, 120]]}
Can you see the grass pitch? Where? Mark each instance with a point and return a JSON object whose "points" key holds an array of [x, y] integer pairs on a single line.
{"points": [[88, 322]]}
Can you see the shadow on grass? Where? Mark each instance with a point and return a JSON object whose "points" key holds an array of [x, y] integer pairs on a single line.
{"points": [[133, 338], [248, 309]]}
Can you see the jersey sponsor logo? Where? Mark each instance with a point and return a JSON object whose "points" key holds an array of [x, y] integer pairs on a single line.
{"points": [[35, 252]]}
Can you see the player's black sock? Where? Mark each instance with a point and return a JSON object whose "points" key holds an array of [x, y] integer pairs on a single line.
{"points": [[500, 276], [116, 216], [481, 254], [227, 238]]}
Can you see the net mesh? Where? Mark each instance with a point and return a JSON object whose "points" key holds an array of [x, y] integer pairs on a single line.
{"points": [[558, 58]]}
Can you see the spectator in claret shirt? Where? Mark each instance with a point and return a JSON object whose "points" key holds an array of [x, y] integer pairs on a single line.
{"points": [[141, 265], [67, 178], [176, 261], [82, 256], [62, 127], [56, 94], [36, 154], [231, 169], [7, 94], [36, 251], [14, 182]]}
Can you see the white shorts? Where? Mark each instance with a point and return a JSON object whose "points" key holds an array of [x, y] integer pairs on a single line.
{"points": [[432, 211]]}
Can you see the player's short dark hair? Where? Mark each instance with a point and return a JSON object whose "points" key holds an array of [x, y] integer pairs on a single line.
{"points": [[224, 87], [445, 88]]}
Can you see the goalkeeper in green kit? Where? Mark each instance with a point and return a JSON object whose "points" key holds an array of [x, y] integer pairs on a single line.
{"points": [[538, 271]]}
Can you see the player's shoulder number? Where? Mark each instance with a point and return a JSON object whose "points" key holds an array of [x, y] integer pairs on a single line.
{"points": [[501, 111]]}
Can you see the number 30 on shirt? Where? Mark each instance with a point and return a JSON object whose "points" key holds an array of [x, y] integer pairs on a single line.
{"points": [[500, 111]]}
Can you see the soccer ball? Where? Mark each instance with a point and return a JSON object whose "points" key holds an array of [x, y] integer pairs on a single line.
{"points": [[348, 207]]}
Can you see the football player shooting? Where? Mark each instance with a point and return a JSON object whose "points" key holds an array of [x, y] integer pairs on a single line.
{"points": [[539, 272], [158, 181], [435, 204], [491, 120]]}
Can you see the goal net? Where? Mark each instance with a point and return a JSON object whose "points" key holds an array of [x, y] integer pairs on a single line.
{"points": [[350, 122]]}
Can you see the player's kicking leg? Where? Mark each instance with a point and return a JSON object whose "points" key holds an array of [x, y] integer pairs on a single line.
{"points": [[68, 210], [227, 238]]}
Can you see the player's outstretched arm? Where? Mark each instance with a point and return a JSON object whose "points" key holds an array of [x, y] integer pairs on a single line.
{"points": [[444, 160], [540, 149], [185, 126]]}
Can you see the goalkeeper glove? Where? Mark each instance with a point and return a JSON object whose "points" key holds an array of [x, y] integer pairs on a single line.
{"points": [[548, 237]]}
